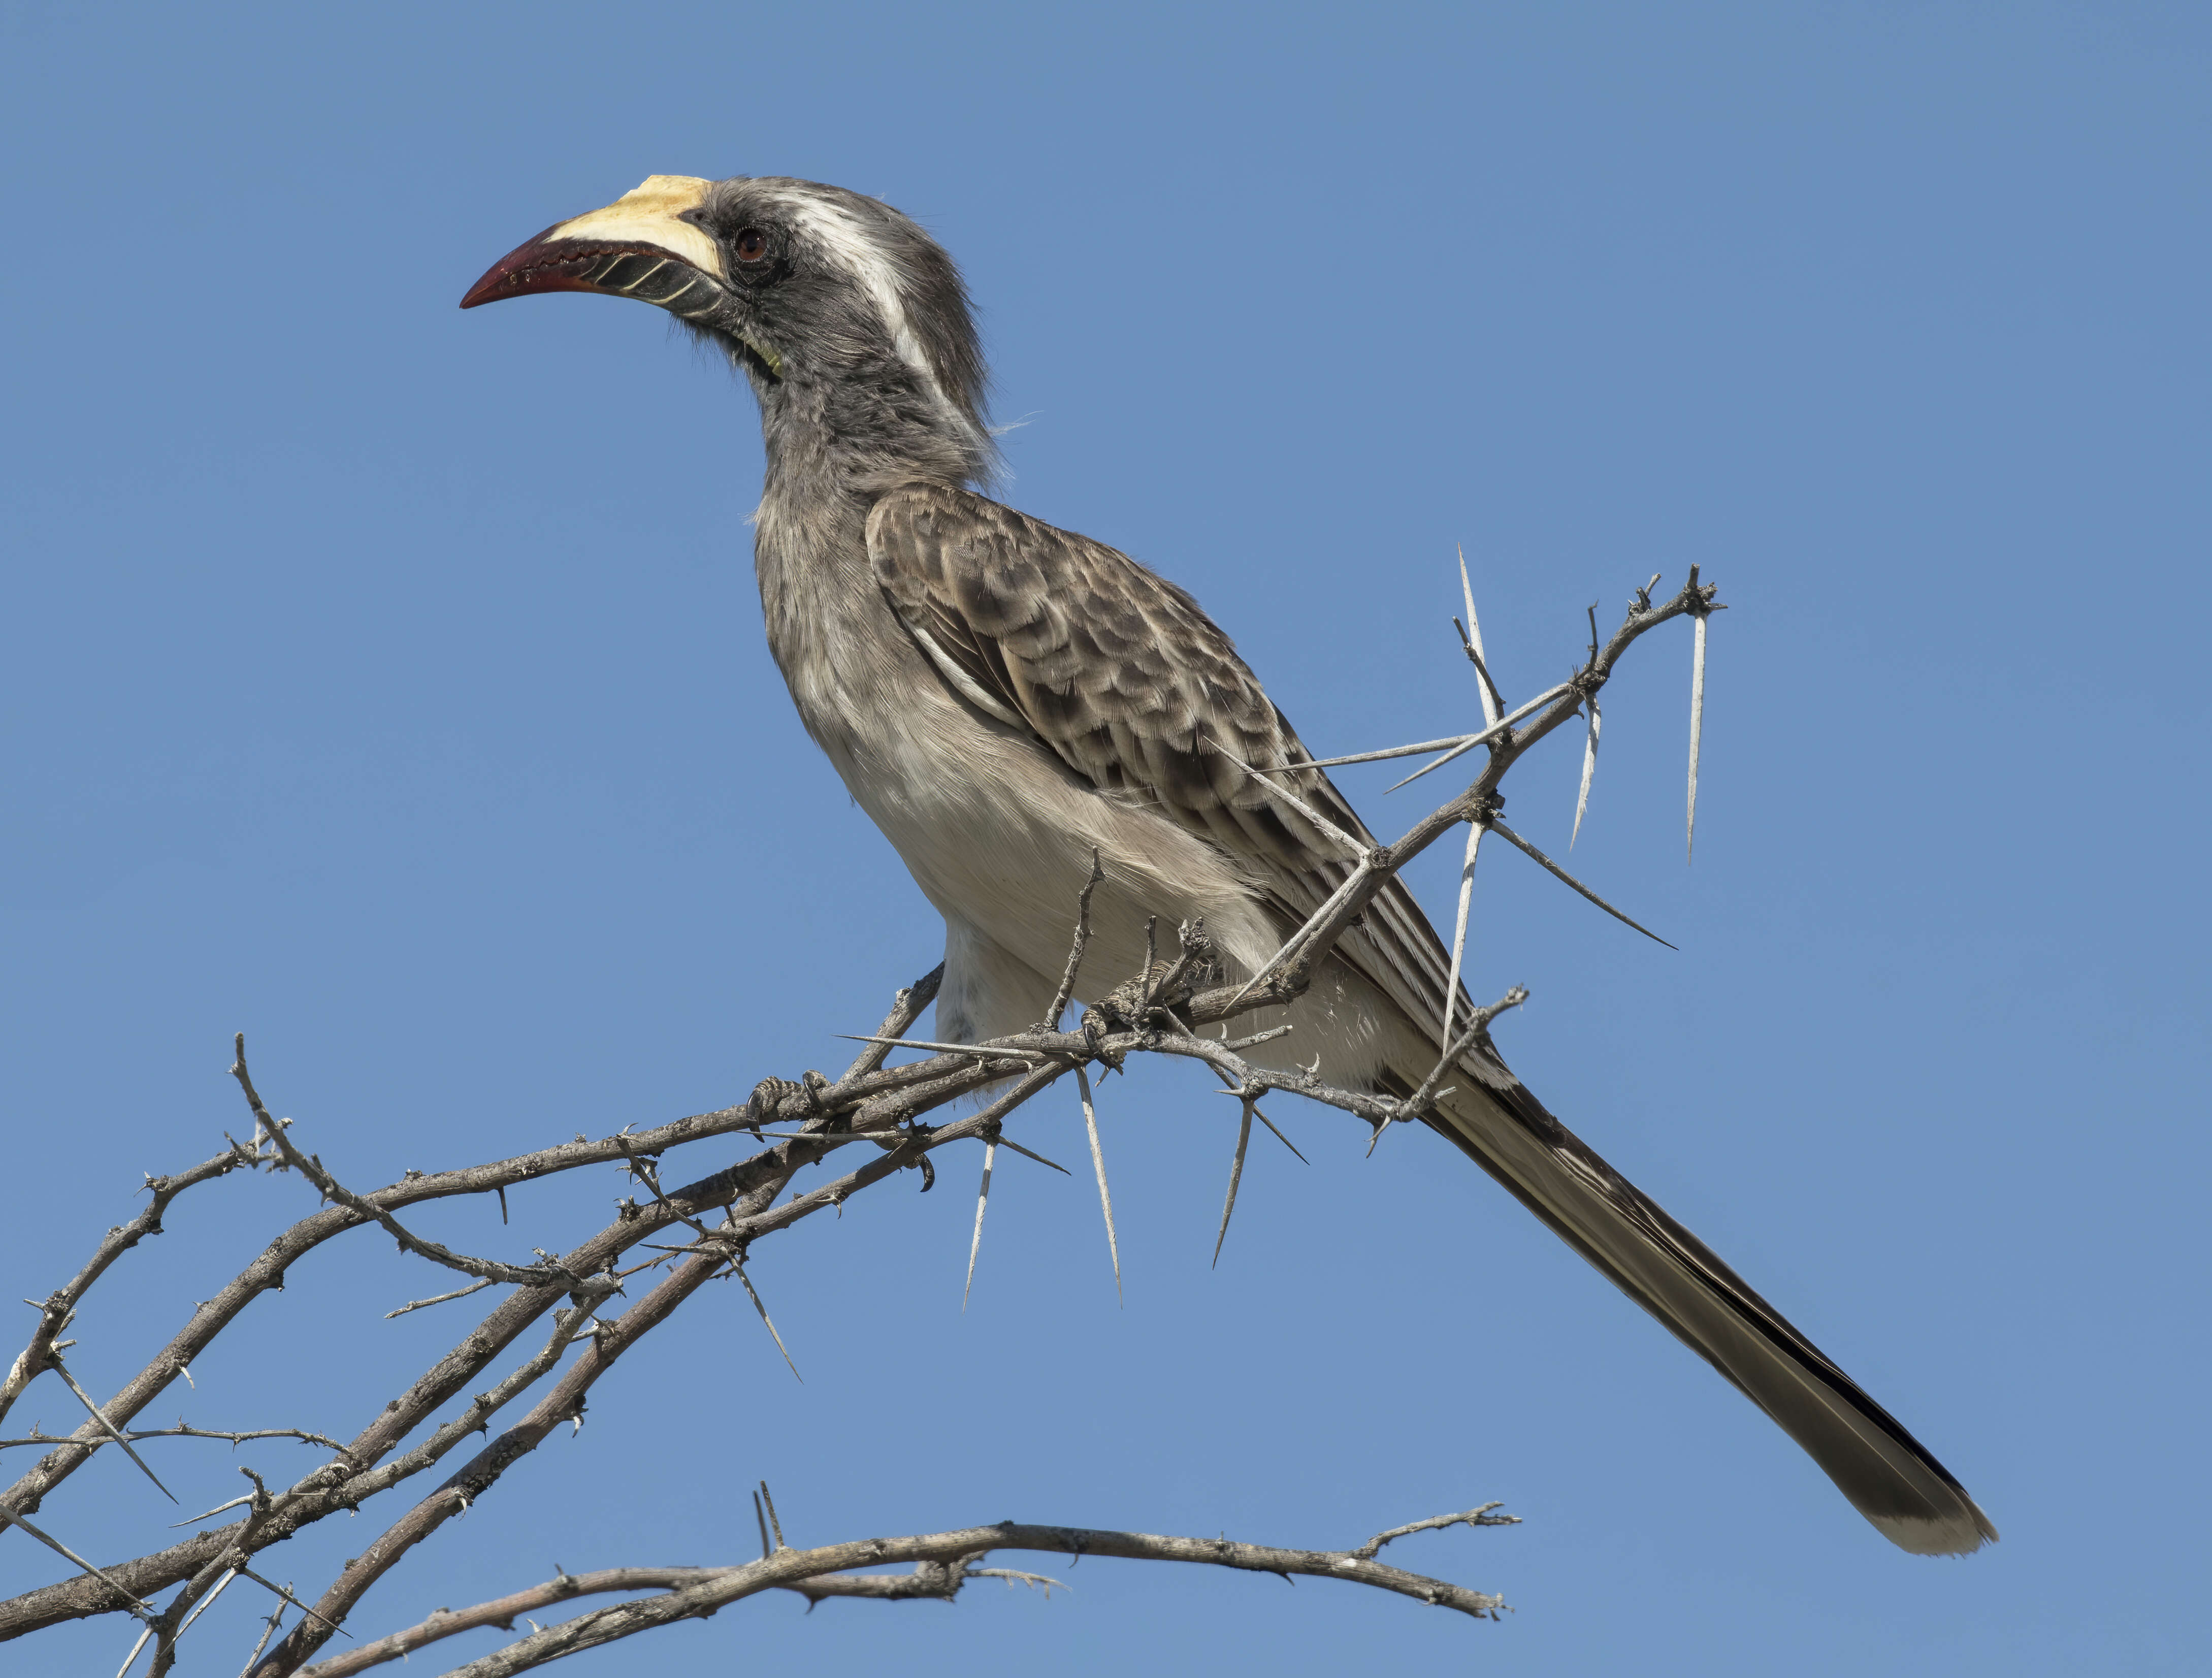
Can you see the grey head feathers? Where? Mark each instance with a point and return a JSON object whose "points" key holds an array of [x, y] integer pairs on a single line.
{"points": [[854, 326]]}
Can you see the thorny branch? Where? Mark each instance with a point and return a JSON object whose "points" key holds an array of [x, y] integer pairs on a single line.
{"points": [[945, 1561], [1165, 1010]]}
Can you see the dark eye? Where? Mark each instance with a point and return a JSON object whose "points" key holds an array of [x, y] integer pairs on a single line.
{"points": [[752, 245]]}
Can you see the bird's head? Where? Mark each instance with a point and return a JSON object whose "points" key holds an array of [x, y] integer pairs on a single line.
{"points": [[847, 317]]}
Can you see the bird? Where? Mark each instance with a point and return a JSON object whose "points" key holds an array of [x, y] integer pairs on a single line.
{"points": [[1008, 701]]}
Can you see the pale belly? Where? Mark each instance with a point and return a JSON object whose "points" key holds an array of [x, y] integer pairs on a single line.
{"points": [[999, 834]]}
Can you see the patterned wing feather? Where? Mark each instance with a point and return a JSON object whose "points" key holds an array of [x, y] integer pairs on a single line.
{"points": [[1122, 675]]}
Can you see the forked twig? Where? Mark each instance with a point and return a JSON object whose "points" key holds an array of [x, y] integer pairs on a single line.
{"points": [[1479, 1515], [1417, 1104]]}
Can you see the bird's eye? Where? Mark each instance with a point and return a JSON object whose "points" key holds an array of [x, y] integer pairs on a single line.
{"points": [[752, 245]]}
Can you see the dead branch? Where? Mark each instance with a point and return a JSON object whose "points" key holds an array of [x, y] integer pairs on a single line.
{"points": [[943, 1562], [60, 1306], [1158, 1012]]}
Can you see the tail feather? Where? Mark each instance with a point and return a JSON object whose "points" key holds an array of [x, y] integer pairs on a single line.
{"points": [[1888, 1476]]}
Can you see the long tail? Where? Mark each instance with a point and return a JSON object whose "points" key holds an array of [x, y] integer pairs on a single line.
{"points": [[1889, 1476]]}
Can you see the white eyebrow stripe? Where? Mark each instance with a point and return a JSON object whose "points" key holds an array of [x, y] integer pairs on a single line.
{"points": [[847, 241]]}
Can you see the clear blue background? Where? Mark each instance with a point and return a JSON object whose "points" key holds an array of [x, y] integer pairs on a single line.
{"points": [[387, 682]]}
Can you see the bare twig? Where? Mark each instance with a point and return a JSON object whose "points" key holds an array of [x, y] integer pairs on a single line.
{"points": [[477, 1286], [931, 1581], [268, 1630], [948, 1048], [1479, 1515], [697, 1593], [182, 1431], [332, 1189], [1478, 1022], [54, 1313], [1066, 988], [907, 1007]]}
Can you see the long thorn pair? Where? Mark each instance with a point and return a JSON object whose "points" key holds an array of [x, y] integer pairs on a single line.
{"points": [[991, 1146]]}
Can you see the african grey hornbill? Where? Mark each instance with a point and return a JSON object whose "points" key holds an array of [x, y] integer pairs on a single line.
{"points": [[1002, 697]]}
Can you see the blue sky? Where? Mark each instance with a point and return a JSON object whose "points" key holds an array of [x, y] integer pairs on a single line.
{"points": [[387, 682]]}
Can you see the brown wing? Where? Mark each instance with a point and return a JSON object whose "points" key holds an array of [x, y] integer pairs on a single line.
{"points": [[1137, 690]]}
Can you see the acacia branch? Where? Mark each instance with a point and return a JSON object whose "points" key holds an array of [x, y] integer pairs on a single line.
{"points": [[944, 1563], [311, 1167], [60, 1306], [1154, 1014], [565, 1402]]}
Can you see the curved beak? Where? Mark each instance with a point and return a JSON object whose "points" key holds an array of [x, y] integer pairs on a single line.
{"points": [[641, 245]]}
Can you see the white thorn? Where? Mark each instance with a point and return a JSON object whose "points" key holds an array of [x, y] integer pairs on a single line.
{"points": [[1473, 741], [1589, 769], [1474, 832], [1235, 1172], [983, 1200], [1697, 730], [1099, 1161], [753, 1294], [1291, 944], [1283, 795], [1475, 637]]}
